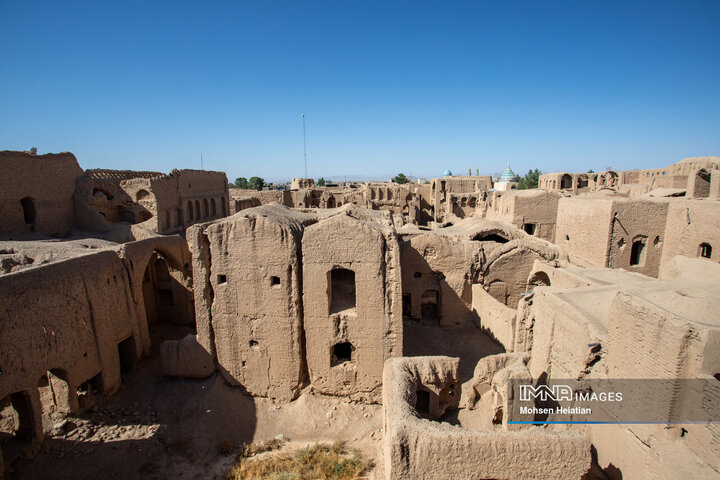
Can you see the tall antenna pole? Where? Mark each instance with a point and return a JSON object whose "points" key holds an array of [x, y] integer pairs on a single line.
{"points": [[201, 162], [304, 144]]}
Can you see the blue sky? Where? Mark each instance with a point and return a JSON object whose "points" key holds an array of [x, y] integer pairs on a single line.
{"points": [[386, 86]]}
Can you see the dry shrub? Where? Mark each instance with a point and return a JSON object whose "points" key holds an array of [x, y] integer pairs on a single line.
{"points": [[317, 462]]}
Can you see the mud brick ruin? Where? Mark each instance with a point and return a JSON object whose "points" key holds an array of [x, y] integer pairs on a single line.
{"points": [[427, 299]]}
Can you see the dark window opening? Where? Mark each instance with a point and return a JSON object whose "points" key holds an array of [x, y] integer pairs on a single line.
{"points": [[566, 181], [128, 353], [28, 206], [16, 426], [342, 290], [705, 250], [341, 353], [165, 298], [636, 254], [422, 403], [162, 272], [498, 418], [529, 228], [274, 281], [253, 343], [221, 279], [406, 305], [492, 237], [430, 309], [539, 279], [89, 390], [190, 210], [417, 275], [213, 207]]}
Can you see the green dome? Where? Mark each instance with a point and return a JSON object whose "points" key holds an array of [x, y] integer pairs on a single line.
{"points": [[509, 176]]}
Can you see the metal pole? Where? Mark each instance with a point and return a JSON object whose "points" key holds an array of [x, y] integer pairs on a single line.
{"points": [[304, 144]]}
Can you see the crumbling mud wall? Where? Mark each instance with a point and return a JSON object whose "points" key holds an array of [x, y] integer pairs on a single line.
{"points": [[352, 302], [691, 230], [437, 277], [248, 277], [533, 211], [624, 326], [284, 298], [420, 448], [37, 193], [73, 325]]}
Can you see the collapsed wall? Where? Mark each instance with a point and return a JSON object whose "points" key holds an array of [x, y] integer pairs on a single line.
{"points": [[98, 327], [420, 448]]}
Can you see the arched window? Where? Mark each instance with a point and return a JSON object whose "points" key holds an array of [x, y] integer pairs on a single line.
{"points": [[330, 202], [705, 250], [206, 208], [190, 211], [566, 181], [198, 215], [637, 253], [213, 207], [222, 203]]}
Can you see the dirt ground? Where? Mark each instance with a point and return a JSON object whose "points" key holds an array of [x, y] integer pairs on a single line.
{"points": [[161, 428]]}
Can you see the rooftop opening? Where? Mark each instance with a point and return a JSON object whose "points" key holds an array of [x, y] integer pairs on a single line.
{"points": [[490, 237]]}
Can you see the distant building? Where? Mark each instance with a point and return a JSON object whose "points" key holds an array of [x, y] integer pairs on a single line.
{"points": [[507, 181]]}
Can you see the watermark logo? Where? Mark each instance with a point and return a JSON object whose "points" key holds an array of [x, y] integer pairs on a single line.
{"points": [[544, 393]]}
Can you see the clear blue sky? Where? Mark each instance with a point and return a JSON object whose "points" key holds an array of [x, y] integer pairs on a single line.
{"points": [[386, 86]]}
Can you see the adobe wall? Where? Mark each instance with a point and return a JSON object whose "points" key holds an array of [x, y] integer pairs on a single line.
{"points": [[640, 221], [97, 326], [419, 448], [367, 245], [691, 223], [248, 296], [186, 197], [439, 263], [264, 287], [637, 327], [495, 318], [583, 229], [527, 207], [47, 182]]}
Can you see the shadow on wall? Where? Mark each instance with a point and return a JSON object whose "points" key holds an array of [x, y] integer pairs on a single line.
{"points": [[428, 296]]}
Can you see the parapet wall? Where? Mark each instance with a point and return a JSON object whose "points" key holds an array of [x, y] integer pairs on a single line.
{"points": [[37, 193], [420, 449]]}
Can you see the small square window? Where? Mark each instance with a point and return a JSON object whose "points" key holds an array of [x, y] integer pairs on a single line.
{"points": [[274, 281], [221, 279]]}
